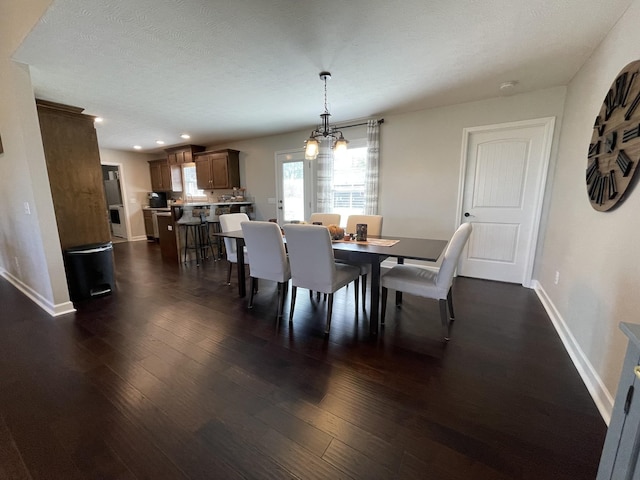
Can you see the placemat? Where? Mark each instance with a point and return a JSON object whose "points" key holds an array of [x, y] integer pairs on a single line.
{"points": [[379, 242]]}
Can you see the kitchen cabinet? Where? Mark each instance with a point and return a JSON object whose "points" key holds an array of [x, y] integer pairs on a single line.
{"points": [[621, 448], [148, 224], [218, 169], [182, 154], [160, 175]]}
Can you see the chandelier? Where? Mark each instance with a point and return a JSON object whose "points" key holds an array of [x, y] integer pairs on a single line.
{"points": [[324, 130]]}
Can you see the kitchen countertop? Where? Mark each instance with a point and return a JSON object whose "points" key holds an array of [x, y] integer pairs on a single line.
{"points": [[158, 209], [204, 204]]}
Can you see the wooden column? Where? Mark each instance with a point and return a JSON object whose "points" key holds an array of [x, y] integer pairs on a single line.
{"points": [[75, 175]]}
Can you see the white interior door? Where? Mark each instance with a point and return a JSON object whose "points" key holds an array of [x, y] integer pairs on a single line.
{"points": [[294, 184], [505, 169]]}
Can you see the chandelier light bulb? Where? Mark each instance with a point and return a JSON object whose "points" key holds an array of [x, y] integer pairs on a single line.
{"points": [[312, 148]]}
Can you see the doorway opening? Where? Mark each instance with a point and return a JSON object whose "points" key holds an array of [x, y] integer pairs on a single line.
{"points": [[113, 189]]}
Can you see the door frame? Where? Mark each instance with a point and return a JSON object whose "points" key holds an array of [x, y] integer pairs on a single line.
{"points": [[548, 123], [310, 167], [123, 193]]}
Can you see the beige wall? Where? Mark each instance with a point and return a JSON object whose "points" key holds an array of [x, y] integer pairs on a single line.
{"points": [[136, 183], [421, 155], [30, 253], [595, 253], [420, 159]]}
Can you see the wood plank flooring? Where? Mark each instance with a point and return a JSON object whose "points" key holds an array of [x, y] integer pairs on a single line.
{"points": [[172, 377]]}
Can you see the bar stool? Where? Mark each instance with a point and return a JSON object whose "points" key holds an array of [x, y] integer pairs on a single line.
{"points": [[213, 223], [214, 227], [198, 229]]}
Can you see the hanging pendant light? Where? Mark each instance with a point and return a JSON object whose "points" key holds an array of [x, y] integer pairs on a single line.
{"points": [[324, 130]]}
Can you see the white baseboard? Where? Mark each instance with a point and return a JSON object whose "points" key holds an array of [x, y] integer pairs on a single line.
{"points": [[138, 238], [601, 396], [54, 310]]}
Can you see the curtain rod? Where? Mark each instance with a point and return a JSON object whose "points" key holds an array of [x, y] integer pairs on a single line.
{"points": [[358, 124]]}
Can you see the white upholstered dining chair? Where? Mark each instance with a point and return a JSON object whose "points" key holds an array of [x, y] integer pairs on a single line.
{"points": [[314, 267], [268, 257], [374, 227], [325, 218], [230, 222], [374, 223], [429, 282]]}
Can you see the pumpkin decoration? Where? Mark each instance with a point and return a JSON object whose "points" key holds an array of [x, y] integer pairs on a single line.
{"points": [[336, 232]]}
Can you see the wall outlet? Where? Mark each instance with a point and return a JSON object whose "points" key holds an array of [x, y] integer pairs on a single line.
{"points": [[27, 208], [556, 278], [271, 201]]}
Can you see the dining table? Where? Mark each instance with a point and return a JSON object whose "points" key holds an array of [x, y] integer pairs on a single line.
{"points": [[373, 251]]}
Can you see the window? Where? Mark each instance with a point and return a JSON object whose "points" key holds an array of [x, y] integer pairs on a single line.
{"points": [[191, 190], [348, 184]]}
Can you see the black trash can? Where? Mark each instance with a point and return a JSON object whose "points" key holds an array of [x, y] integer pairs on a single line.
{"points": [[89, 270]]}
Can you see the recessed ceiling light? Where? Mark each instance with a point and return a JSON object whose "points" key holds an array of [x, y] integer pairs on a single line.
{"points": [[159, 142], [137, 147], [507, 87], [186, 136], [98, 120]]}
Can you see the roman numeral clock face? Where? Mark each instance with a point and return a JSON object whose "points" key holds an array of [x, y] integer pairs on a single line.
{"points": [[614, 151]]}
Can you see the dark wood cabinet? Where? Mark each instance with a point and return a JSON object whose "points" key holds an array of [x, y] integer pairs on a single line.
{"points": [[167, 238], [75, 175], [218, 170], [160, 175], [182, 154], [148, 223]]}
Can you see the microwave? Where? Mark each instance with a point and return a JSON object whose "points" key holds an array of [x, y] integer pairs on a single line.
{"points": [[157, 199]]}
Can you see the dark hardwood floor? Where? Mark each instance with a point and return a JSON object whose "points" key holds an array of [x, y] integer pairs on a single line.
{"points": [[172, 377]]}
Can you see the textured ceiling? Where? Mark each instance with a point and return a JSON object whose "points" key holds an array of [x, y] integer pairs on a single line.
{"points": [[227, 70]]}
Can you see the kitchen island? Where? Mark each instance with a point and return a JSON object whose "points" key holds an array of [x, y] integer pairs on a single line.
{"points": [[151, 221], [182, 213]]}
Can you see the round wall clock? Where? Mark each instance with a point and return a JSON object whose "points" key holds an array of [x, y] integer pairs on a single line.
{"points": [[614, 150]]}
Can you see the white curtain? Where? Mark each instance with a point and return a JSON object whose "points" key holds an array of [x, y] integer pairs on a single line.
{"points": [[324, 193], [373, 162]]}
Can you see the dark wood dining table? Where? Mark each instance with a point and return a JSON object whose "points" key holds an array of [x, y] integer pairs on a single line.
{"points": [[405, 248]]}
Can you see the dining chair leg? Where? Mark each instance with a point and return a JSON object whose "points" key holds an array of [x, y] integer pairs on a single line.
{"points": [[294, 290], [384, 305], [450, 303], [253, 290], [355, 291], [229, 274], [444, 318], [364, 291], [329, 312], [280, 299]]}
